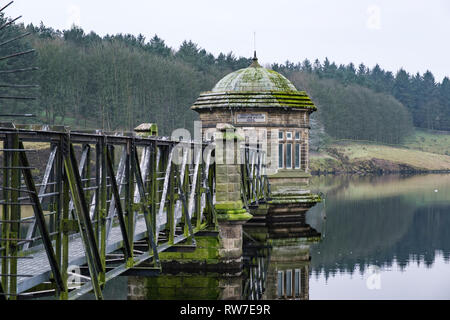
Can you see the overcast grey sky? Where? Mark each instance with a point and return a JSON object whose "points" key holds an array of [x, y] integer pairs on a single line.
{"points": [[413, 34]]}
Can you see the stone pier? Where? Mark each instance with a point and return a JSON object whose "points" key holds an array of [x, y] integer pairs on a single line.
{"points": [[221, 249], [229, 207]]}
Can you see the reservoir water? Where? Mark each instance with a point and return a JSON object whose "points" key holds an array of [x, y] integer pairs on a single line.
{"points": [[374, 237], [386, 238]]}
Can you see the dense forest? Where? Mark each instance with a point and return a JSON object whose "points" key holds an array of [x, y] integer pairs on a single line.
{"points": [[118, 81], [354, 112], [428, 101]]}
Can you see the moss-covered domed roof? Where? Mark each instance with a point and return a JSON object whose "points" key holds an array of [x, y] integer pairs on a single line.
{"points": [[254, 79], [254, 87]]}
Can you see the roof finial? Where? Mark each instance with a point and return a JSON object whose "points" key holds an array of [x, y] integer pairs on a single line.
{"points": [[255, 63], [255, 59]]}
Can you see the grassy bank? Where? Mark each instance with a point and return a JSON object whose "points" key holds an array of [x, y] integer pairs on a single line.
{"points": [[421, 152], [429, 141]]}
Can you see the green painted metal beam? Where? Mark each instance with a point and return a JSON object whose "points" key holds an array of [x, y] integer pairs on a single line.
{"points": [[40, 220], [148, 221], [118, 204], [5, 217], [84, 223]]}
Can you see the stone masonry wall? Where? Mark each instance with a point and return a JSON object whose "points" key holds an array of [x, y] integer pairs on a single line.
{"points": [[276, 119]]}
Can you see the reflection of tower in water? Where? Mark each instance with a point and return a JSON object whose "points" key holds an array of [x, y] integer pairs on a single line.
{"points": [[288, 273], [286, 237]]}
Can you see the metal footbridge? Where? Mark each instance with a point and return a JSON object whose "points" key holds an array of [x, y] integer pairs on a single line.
{"points": [[101, 204]]}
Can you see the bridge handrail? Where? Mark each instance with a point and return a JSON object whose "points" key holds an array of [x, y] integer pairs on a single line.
{"points": [[255, 186], [95, 187]]}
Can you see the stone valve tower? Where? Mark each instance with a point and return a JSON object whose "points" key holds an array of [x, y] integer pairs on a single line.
{"points": [[268, 111]]}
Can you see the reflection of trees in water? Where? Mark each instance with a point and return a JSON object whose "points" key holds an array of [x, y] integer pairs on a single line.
{"points": [[428, 233], [380, 232]]}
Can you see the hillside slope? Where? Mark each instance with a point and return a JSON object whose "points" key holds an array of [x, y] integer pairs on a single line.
{"points": [[358, 157]]}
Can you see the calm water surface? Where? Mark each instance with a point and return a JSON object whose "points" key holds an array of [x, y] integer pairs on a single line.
{"points": [[384, 237]]}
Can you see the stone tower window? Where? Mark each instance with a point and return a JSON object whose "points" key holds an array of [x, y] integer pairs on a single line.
{"points": [[280, 135], [297, 156], [281, 156], [289, 150], [289, 156], [288, 135]]}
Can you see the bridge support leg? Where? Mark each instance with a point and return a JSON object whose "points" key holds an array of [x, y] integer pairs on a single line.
{"points": [[231, 214]]}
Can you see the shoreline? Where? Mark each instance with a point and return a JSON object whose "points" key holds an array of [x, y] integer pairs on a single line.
{"points": [[359, 158], [377, 173]]}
